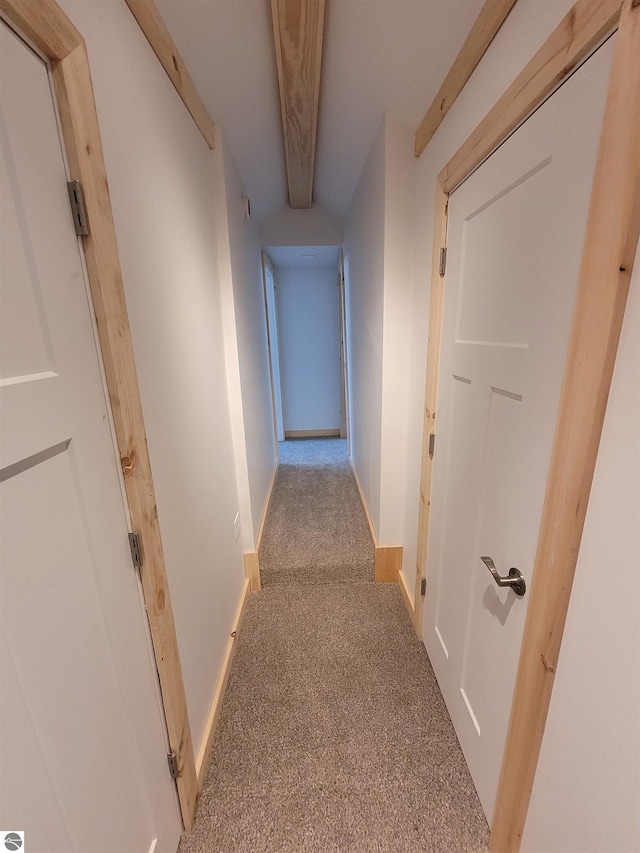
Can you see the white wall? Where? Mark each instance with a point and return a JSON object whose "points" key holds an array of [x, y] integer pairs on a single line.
{"points": [[245, 325], [586, 794], [232, 358], [379, 252], [163, 185], [313, 227], [400, 176], [364, 270], [309, 346]]}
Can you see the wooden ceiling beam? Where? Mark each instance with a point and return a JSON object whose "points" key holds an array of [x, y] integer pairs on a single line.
{"points": [[298, 29], [491, 17]]}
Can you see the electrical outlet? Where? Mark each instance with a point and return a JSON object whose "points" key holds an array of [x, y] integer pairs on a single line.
{"points": [[236, 526]]}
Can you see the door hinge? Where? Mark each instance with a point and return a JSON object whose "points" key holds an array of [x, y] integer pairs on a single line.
{"points": [[136, 550], [172, 761], [443, 262], [432, 444], [78, 209], [423, 586]]}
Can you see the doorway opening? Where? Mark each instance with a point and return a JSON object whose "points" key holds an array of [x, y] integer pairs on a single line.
{"points": [[305, 306]]}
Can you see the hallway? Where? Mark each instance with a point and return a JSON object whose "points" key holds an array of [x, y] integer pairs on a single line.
{"points": [[320, 649], [333, 734], [316, 530]]}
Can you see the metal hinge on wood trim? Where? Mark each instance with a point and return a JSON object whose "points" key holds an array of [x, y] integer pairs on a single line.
{"points": [[432, 444], [172, 761], [423, 586], [136, 550], [78, 209], [443, 262]]}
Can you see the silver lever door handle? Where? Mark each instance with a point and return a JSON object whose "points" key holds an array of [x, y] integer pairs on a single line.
{"points": [[514, 580]]}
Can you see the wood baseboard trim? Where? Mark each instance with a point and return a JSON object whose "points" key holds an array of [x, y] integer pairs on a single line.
{"points": [[266, 507], [252, 570], [404, 591], [251, 559], [204, 752], [388, 559], [388, 563], [372, 529], [312, 433]]}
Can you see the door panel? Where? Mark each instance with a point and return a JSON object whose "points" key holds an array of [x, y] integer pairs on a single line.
{"points": [[274, 352], [21, 751], [50, 595], [516, 230], [83, 755]]}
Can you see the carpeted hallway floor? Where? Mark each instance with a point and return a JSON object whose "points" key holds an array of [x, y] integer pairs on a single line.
{"points": [[316, 529], [333, 734]]}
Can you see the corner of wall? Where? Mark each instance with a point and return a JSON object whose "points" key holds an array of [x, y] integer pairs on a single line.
{"points": [[232, 361], [399, 228], [246, 339], [364, 247]]}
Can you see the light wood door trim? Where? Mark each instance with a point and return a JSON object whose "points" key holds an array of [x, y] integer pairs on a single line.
{"points": [[492, 16], [148, 17], [613, 228], [436, 303], [612, 237], [44, 24], [584, 27], [48, 28], [298, 30]]}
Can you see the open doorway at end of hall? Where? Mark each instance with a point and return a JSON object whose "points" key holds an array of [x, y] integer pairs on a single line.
{"points": [[305, 308]]}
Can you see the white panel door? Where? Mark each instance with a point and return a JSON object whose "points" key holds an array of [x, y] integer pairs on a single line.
{"points": [[516, 232], [82, 745]]}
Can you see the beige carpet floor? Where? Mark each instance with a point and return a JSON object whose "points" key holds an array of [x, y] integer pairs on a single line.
{"points": [[333, 736], [316, 529]]}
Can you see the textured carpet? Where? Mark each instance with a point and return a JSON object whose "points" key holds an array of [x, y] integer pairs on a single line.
{"points": [[333, 735], [316, 529]]}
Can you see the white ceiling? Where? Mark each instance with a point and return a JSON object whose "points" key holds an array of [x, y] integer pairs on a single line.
{"points": [[378, 55]]}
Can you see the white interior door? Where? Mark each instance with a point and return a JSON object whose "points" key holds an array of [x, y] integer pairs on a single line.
{"points": [[516, 232], [82, 743], [274, 354], [344, 363]]}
